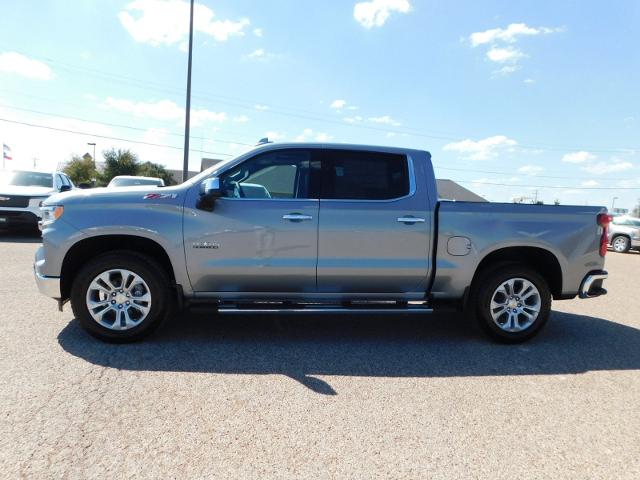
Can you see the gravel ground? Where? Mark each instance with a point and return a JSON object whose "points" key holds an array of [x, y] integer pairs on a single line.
{"points": [[344, 397]]}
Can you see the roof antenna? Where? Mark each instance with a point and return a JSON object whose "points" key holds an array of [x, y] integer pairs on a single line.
{"points": [[263, 141]]}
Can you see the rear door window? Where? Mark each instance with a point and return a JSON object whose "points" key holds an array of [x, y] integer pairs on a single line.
{"points": [[358, 175]]}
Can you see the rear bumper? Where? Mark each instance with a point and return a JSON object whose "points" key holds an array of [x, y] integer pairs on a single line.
{"points": [[591, 285]]}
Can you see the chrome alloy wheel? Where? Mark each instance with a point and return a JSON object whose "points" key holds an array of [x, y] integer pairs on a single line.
{"points": [[620, 244], [118, 299], [515, 305]]}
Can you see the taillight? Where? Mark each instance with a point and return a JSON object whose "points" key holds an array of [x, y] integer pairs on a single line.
{"points": [[604, 220]]}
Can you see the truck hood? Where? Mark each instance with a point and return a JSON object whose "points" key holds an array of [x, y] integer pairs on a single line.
{"points": [[12, 190], [115, 195]]}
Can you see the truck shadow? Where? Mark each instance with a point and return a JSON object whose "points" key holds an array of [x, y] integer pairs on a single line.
{"points": [[302, 347]]}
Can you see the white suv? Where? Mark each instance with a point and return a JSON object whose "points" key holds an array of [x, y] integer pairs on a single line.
{"points": [[22, 192], [624, 233]]}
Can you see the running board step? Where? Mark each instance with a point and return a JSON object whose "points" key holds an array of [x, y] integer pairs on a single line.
{"points": [[298, 309]]}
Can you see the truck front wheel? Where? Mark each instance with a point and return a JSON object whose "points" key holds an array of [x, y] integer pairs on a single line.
{"points": [[511, 302], [120, 296]]}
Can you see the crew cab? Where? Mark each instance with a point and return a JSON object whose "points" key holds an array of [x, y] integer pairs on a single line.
{"points": [[320, 228]]}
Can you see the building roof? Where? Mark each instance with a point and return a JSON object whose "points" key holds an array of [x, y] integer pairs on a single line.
{"points": [[450, 190]]}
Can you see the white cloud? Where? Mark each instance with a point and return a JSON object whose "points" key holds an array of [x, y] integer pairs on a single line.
{"points": [[385, 120], [274, 135], [257, 53], [531, 169], [578, 157], [376, 12], [589, 183], [241, 119], [508, 35], [166, 22], [615, 165], [500, 44], [308, 134], [165, 110], [258, 32], [12, 62], [504, 55], [482, 149], [261, 108], [352, 120], [338, 104], [529, 81]]}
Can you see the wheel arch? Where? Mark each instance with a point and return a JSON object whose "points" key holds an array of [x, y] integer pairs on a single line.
{"points": [[539, 259], [89, 248]]}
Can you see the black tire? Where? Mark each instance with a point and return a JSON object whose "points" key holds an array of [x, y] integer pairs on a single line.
{"points": [[152, 274], [620, 244], [483, 290]]}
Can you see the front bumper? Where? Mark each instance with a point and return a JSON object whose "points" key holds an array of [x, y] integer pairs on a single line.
{"points": [[18, 218], [591, 285], [49, 286]]}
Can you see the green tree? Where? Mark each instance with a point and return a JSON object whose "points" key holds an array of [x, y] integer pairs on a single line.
{"points": [[118, 162], [150, 169], [81, 169]]}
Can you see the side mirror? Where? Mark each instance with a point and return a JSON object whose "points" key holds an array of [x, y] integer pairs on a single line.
{"points": [[210, 191], [65, 188]]}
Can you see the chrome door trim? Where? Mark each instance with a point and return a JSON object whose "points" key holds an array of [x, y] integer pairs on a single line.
{"points": [[411, 220], [296, 217]]}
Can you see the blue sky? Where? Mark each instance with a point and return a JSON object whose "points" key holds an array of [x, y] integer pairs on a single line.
{"points": [[510, 97]]}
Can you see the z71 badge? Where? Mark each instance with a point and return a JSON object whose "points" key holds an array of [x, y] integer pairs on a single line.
{"points": [[158, 196]]}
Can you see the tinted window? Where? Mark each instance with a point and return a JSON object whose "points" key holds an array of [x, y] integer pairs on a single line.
{"points": [[356, 175], [279, 174], [27, 179]]}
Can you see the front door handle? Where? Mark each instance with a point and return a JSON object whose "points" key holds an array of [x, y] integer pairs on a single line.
{"points": [[410, 220], [296, 217]]}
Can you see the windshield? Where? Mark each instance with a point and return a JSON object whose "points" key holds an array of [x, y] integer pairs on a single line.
{"points": [[132, 182], [26, 179]]}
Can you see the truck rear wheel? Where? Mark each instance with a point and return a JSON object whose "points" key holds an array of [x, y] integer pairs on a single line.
{"points": [[121, 296], [511, 302]]}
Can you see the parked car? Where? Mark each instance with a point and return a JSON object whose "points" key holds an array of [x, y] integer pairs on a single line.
{"points": [[624, 233], [326, 229], [133, 181], [22, 192]]}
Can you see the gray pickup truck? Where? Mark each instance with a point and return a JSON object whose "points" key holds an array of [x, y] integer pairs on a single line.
{"points": [[319, 228]]}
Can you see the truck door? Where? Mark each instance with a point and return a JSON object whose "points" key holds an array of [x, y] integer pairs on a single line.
{"points": [[375, 225], [262, 234]]}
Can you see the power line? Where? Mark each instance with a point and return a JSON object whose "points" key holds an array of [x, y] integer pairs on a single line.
{"points": [[564, 187], [526, 174], [130, 127], [146, 84], [105, 136]]}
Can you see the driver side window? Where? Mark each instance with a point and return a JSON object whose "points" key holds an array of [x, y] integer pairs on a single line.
{"points": [[282, 174]]}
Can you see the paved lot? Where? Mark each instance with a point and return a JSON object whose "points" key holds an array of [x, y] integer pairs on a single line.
{"points": [[310, 398]]}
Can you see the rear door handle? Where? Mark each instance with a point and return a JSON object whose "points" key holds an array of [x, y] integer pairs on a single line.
{"points": [[409, 219], [296, 217]]}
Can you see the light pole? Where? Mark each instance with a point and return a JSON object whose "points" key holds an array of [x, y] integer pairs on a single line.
{"points": [[613, 202], [94, 150], [185, 162]]}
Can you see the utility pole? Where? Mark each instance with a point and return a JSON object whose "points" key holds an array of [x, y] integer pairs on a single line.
{"points": [[185, 163], [613, 202], [536, 199]]}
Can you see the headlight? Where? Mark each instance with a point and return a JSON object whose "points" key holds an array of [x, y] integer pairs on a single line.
{"points": [[36, 201], [50, 213]]}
